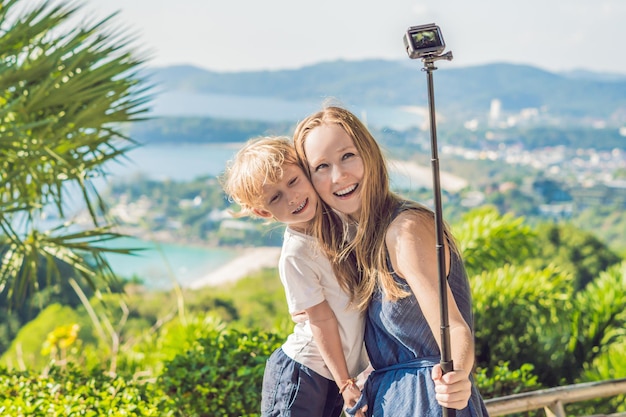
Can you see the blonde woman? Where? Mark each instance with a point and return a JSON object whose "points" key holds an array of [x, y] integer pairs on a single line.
{"points": [[394, 247]]}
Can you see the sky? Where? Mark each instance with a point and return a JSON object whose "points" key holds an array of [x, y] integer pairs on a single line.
{"points": [[250, 35]]}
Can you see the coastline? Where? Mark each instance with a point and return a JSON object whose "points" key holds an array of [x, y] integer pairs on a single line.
{"points": [[247, 260], [422, 176], [251, 260]]}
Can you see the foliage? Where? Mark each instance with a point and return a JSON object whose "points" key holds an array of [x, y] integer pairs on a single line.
{"points": [[514, 201], [580, 253], [500, 381], [532, 329], [599, 327], [220, 375], [489, 240], [609, 364], [605, 221], [72, 392], [63, 93], [259, 300], [521, 316], [27, 347]]}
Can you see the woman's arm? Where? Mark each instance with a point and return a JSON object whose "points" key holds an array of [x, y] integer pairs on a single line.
{"points": [[326, 334], [411, 243]]}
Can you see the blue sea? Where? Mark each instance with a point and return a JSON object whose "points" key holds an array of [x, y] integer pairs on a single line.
{"points": [[162, 264]]}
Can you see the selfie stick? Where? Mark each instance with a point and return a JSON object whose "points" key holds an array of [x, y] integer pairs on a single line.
{"points": [[428, 58], [446, 361]]}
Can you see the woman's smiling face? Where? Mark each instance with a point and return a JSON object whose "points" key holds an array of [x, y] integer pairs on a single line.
{"points": [[336, 167]]}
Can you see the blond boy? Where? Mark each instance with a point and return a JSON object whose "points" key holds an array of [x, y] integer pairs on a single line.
{"points": [[312, 373]]}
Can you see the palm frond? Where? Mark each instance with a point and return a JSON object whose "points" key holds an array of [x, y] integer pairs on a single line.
{"points": [[65, 92]]}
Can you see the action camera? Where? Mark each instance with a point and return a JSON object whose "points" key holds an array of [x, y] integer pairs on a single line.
{"points": [[424, 40]]}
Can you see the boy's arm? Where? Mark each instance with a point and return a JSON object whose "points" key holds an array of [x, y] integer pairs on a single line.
{"points": [[326, 334]]}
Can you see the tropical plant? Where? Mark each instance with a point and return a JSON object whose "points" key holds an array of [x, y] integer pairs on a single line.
{"points": [[489, 240], [71, 391], [598, 328], [221, 374], [522, 317], [578, 251], [65, 94]]}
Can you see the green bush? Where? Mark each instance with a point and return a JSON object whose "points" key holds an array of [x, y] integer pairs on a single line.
{"points": [[500, 381], [70, 392], [220, 375], [27, 346], [522, 316]]}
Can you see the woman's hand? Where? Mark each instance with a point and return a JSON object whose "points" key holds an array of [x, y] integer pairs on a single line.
{"points": [[453, 389]]}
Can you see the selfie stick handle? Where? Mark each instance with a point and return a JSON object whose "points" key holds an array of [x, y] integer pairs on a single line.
{"points": [[446, 360]]}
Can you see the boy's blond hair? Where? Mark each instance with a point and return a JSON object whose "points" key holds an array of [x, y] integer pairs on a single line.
{"points": [[258, 163]]}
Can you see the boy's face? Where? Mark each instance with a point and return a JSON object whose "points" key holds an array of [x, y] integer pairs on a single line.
{"points": [[292, 200]]}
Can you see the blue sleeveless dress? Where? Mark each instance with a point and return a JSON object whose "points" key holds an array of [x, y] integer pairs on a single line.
{"points": [[403, 350]]}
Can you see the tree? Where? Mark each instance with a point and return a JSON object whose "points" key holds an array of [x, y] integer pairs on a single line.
{"points": [[65, 94], [577, 251], [489, 240], [529, 304]]}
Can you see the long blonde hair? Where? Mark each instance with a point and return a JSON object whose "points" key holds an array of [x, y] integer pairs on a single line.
{"points": [[367, 247]]}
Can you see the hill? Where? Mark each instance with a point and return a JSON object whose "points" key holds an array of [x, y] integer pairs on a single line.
{"points": [[460, 92]]}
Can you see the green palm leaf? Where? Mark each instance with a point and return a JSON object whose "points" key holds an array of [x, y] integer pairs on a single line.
{"points": [[65, 95]]}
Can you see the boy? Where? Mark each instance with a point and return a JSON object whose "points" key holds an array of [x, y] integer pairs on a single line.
{"points": [[312, 373]]}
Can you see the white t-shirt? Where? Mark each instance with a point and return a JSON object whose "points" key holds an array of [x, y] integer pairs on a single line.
{"points": [[308, 279]]}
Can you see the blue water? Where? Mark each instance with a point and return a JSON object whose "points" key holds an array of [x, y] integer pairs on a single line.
{"points": [[161, 265], [173, 161], [228, 106]]}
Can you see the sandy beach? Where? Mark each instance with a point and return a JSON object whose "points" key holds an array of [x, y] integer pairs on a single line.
{"points": [[251, 260], [422, 176]]}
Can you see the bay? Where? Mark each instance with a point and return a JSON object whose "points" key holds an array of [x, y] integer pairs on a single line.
{"points": [[180, 162], [231, 106], [162, 265]]}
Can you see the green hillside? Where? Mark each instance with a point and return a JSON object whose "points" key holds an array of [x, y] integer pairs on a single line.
{"points": [[464, 91]]}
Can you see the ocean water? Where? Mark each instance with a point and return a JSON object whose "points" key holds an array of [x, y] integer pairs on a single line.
{"points": [[161, 265], [182, 162], [228, 106]]}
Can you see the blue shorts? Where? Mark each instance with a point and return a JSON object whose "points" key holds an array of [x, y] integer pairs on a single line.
{"points": [[290, 389]]}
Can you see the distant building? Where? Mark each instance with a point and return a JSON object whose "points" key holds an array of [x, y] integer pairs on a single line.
{"points": [[495, 110], [557, 211], [551, 191], [599, 195]]}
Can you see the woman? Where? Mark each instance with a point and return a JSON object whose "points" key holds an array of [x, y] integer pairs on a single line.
{"points": [[393, 243]]}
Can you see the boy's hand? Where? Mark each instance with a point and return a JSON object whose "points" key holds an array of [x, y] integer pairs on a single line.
{"points": [[350, 397], [300, 316]]}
